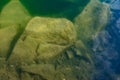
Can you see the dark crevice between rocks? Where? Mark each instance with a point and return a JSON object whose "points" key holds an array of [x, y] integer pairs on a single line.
{"points": [[36, 56], [55, 8], [34, 76], [14, 41], [79, 57], [63, 59], [19, 72]]}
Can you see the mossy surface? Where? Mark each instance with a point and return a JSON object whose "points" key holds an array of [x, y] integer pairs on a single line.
{"points": [[43, 38], [92, 20], [49, 47], [40, 54]]}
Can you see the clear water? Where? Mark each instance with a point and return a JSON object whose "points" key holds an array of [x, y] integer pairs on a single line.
{"points": [[108, 60]]}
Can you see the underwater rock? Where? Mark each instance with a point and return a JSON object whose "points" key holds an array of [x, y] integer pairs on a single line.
{"points": [[92, 20], [43, 38], [13, 20], [48, 48], [41, 52]]}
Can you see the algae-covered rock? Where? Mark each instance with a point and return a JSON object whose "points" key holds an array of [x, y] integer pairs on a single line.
{"points": [[92, 20], [13, 20], [52, 42], [48, 48], [42, 52], [43, 39]]}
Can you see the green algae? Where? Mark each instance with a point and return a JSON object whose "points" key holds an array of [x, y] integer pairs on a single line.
{"points": [[43, 38]]}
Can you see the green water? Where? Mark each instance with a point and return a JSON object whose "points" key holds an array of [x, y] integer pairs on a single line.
{"points": [[52, 8], [55, 8], [2, 3]]}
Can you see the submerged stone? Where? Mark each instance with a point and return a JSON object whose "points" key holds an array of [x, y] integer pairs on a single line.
{"points": [[43, 38], [92, 20], [40, 52], [48, 50]]}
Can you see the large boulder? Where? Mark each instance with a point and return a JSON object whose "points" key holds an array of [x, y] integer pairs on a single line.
{"points": [[43, 39], [48, 50], [92, 20], [13, 20]]}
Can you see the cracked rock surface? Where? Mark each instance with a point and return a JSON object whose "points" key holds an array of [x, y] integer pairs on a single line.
{"points": [[43, 39], [48, 48]]}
